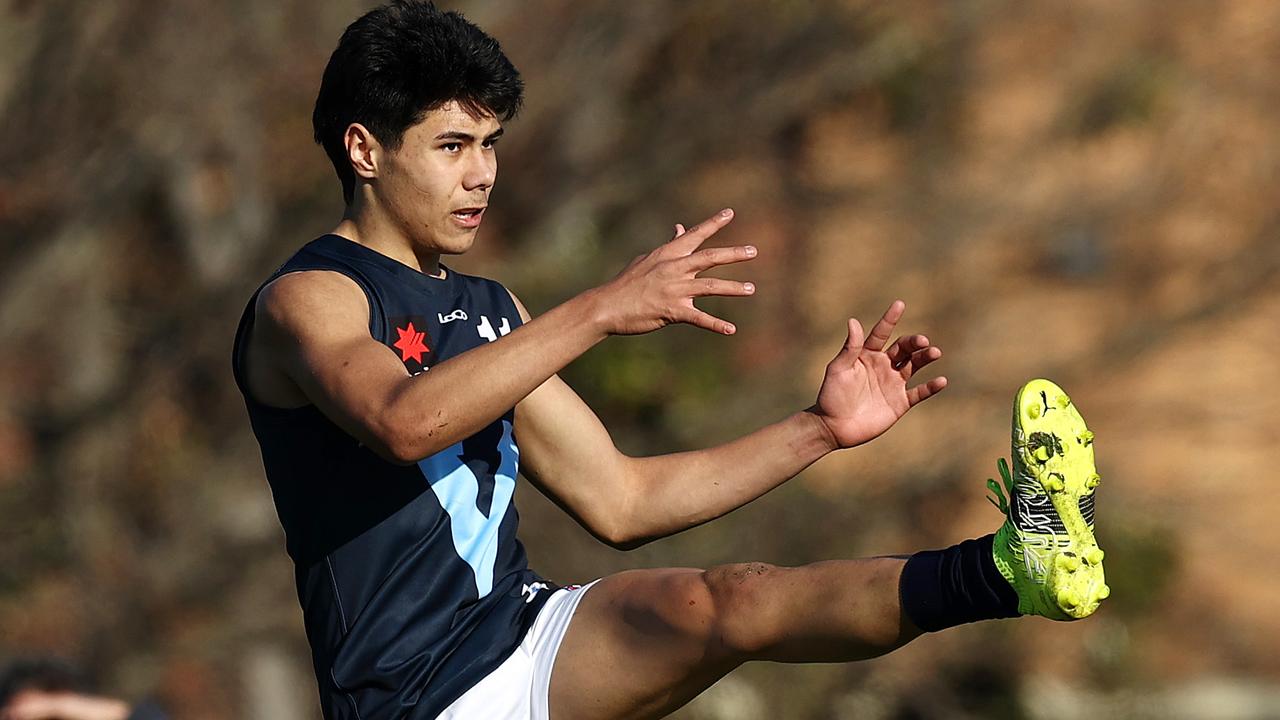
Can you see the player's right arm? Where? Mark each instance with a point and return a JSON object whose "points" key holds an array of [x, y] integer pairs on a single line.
{"points": [[311, 343]]}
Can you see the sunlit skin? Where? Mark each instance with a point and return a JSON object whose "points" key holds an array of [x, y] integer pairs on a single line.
{"points": [[43, 705], [644, 642], [405, 202]]}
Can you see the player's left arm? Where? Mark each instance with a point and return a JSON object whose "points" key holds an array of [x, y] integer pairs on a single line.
{"points": [[626, 501]]}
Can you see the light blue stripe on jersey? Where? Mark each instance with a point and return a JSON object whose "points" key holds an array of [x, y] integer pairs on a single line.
{"points": [[475, 536]]}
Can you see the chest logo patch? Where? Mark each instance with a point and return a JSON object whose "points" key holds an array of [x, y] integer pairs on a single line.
{"points": [[411, 343]]}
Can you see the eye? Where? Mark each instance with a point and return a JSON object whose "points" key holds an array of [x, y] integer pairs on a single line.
{"points": [[490, 143], [452, 147]]}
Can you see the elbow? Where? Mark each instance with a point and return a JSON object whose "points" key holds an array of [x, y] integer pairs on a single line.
{"points": [[404, 439], [408, 449], [622, 540], [394, 444], [400, 453], [628, 544], [397, 448], [622, 529], [391, 447], [400, 432]]}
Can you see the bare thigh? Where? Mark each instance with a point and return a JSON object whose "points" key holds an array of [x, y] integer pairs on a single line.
{"points": [[632, 651]]}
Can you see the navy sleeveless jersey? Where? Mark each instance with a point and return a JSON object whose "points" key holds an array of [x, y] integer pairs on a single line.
{"points": [[412, 583]]}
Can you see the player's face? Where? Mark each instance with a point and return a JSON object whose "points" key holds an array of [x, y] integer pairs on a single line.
{"points": [[436, 184]]}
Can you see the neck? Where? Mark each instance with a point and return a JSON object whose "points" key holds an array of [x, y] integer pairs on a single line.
{"points": [[361, 225]]}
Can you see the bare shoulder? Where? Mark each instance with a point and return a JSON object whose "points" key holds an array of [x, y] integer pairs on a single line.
{"points": [[298, 315], [524, 312], [311, 303]]}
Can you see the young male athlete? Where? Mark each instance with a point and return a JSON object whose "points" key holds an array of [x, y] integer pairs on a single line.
{"points": [[394, 398]]}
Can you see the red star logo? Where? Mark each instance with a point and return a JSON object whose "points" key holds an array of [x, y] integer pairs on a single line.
{"points": [[410, 344]]}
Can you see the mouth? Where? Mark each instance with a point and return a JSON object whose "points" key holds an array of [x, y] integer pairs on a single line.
{"points": [[468, 217]]}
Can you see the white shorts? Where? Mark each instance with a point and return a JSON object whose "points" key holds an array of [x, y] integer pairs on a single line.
{"points": [[518, 688]]}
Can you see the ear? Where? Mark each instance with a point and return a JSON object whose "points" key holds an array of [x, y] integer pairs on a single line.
{"points": [[363, 151]]}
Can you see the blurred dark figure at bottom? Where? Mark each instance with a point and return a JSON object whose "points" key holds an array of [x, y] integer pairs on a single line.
{"points": [[45, 688]]}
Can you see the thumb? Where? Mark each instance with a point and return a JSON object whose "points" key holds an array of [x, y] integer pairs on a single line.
{"points": [[856, 336], [853, 345]]}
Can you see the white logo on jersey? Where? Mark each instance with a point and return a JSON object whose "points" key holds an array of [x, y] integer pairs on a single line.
{"points": [[486, 328], [455, 315], [531, 591]]}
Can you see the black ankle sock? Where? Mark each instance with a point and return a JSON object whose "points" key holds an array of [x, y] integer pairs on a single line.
{"points": [[944, 588]]}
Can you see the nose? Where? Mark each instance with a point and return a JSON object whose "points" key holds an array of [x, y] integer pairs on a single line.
{"points": [[482, 170]]}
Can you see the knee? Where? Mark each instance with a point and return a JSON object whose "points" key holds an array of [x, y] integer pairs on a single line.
{"points": [[739, 612]]}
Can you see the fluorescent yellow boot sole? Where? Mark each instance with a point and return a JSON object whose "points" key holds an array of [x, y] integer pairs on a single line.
{"points": [[1046, 548]]}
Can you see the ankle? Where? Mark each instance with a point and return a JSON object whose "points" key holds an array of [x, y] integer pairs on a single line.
{"points": [[961, 584]]}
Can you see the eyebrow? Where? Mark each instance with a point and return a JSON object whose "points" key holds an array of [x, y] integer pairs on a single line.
{"points": [[468, 137]]}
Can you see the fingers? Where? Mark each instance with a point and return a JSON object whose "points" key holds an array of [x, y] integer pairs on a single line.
{"points": [[693, 238], [911, 353], [919, 359], [697, 318], [924, 391], [900, 351], [703, 287], [883, 329], [711, 257]]}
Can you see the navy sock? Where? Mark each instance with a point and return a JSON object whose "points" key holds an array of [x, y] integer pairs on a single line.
{"points": [[944, 588]]}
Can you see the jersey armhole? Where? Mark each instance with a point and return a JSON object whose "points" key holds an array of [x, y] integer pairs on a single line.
{"points": [[506, 300]]}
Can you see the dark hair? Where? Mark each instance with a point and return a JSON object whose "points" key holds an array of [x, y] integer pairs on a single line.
{"points": [[47, 674], [400, 61]]}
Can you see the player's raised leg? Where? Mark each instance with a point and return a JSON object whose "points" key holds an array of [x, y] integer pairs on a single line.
{"points": [[645, 642]]}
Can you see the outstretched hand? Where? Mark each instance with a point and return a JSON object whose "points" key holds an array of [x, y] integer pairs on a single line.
{"points": [[865, 388], [658, 288]]}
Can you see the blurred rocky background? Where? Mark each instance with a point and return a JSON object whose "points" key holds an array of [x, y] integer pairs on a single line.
{"points": [[1086, 191]]}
